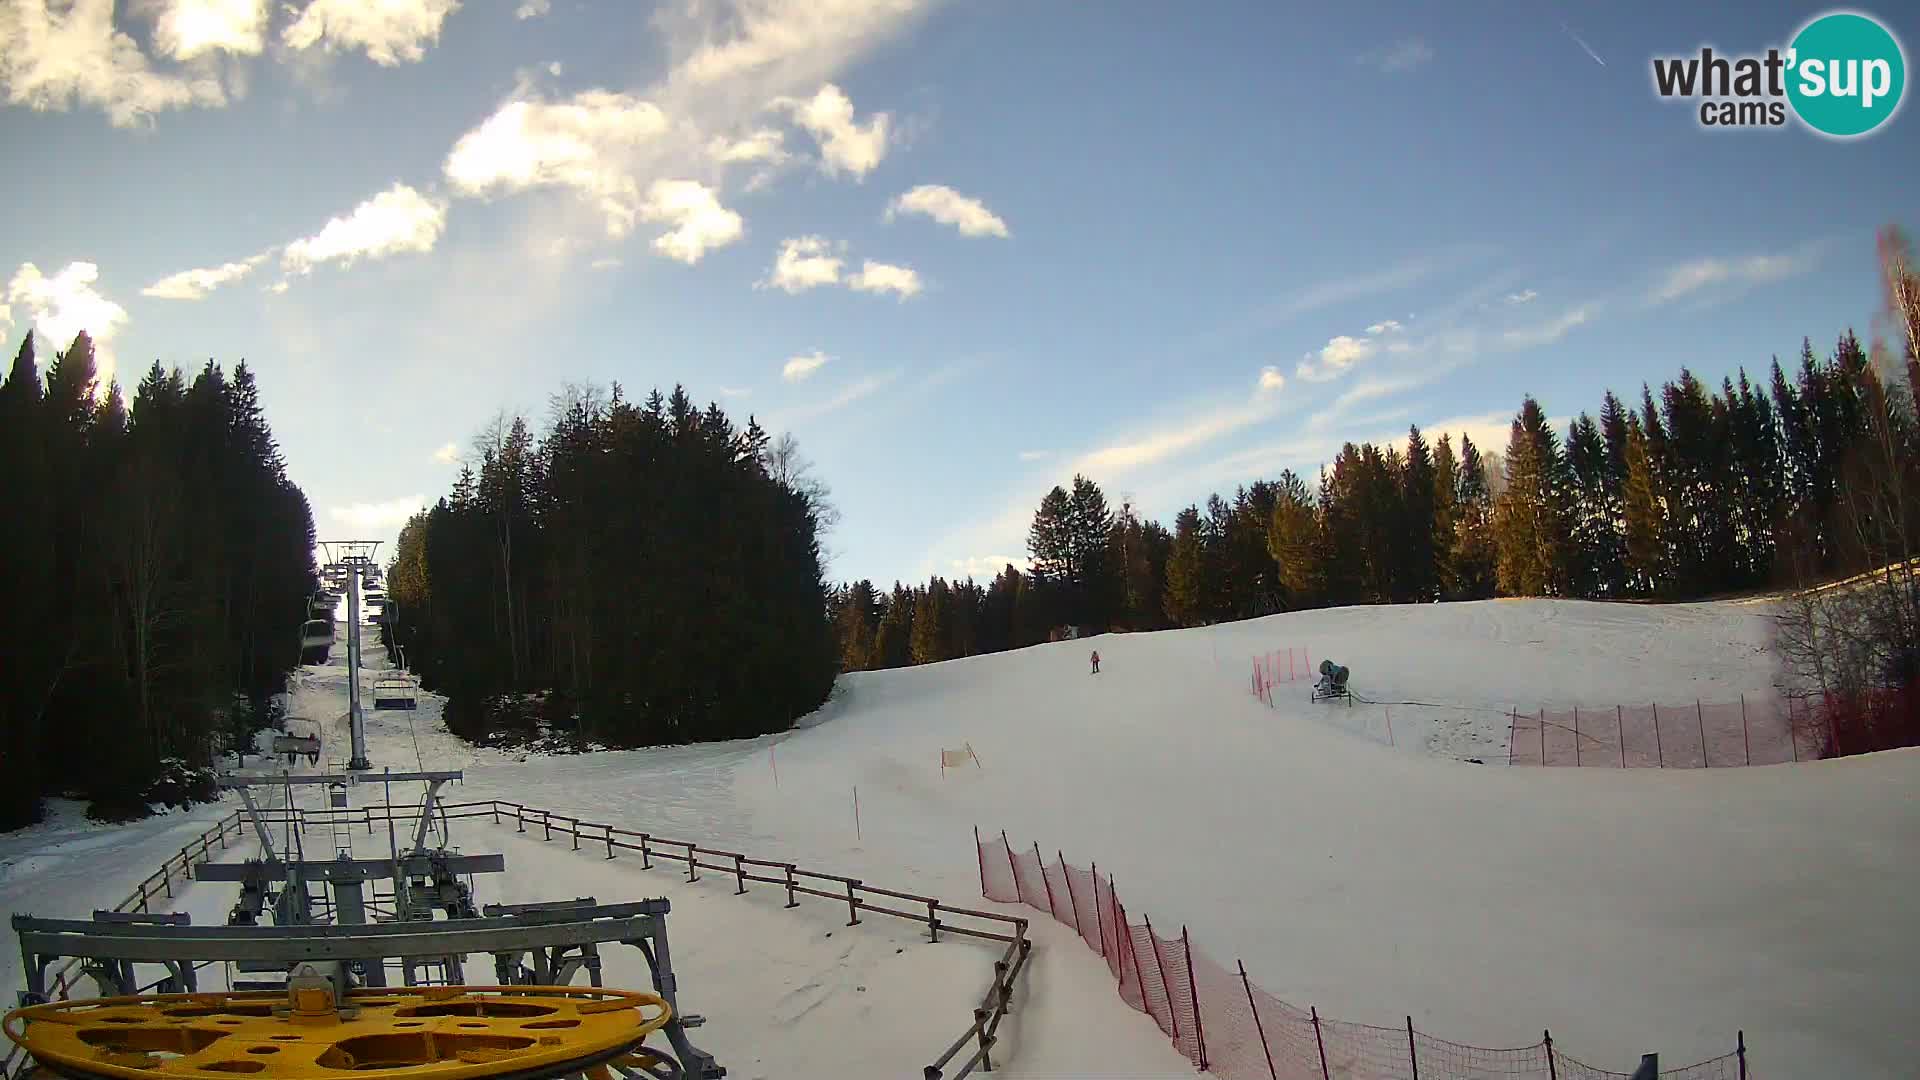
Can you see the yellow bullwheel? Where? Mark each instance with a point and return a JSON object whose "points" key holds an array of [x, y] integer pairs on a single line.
{"points": [[413, 1033]]}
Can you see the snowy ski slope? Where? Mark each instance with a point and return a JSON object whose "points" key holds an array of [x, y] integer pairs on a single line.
{"points": [[1625, 910]]}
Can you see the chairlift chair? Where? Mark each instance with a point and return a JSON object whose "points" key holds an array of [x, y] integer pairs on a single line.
{"points": [[395, 693], [316, 641]]}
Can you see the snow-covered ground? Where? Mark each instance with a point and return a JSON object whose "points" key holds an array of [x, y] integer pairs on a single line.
{"points": [[1626, 910]]}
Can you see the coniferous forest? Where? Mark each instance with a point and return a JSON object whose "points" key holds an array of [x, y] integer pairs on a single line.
{"points": [[1803, 474], [156, 565], [642, 574]]}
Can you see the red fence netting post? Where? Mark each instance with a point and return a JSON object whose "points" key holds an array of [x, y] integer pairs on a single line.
{"points": [[1740, 1048], [1413, 1052], [1543, 738], [1133, 950], [1576, 736], [980, 856], [1041, 862], [1319, 1042], [1553, 1067], [1012, 871], [1620, 728], [1700, 714], [1513, 729], [1257, 1025], [1072, 900], [1097, 921], [1165, 988], [1193, 992], [1660, 754]]}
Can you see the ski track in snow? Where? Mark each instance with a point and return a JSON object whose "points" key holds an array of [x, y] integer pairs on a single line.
{"points": [[1626, 910]]}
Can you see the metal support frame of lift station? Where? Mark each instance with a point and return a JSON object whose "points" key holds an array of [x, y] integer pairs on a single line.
{"points": [[110, 948], [357, 557], [245, 785]]}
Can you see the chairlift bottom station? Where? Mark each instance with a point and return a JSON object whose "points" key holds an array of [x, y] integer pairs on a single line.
{"points": [[316, 946]]}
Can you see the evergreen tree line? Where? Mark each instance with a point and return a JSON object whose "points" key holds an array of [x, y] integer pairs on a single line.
{"points": [[156, 564], [642, 574], [1692, 492]]}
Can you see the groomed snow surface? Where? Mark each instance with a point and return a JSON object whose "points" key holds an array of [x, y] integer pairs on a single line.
{"points": [[1626, 910]]}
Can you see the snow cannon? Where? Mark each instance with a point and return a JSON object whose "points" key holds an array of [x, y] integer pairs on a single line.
{"points": [[310, 1031], [1332, 684]]}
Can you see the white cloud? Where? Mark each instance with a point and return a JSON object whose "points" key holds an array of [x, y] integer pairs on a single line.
{"points": [[1035, 455], [185, 29], [385, 515], [1489, 431], [699, 222], [447, 454], [278, 287], [1335, 357], [56, 56], [585, 143], [844, 143], [802, 367], [1173, 440], [1399, 56], [61, 306], [397, 221], [1690, 277], [532, 9], [195, 284], [390, 32], [983, 567], [605, 262], [853, 392], [725, 62], [791, 37], [1548, 332], [949, 207], [556, 68], [1271, 380], [1523, 297], [803, 263], [1388, 326], [885, 277], [763, 145]]}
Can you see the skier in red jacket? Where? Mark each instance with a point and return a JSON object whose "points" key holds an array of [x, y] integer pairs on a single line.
{"points": [[1096, 662]]}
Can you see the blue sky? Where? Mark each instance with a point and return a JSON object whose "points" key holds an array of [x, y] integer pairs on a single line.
{"points": [[1175, 248]]}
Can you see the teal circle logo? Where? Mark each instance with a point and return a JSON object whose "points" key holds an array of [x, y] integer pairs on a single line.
{"points": [[1846, 74]]}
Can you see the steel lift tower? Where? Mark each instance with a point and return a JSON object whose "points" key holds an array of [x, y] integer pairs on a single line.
{"points": [[356, 556]]}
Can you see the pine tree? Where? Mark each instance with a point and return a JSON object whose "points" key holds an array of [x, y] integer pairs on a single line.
{"points": [[1595, 567], [1092, 580], [1418, 568], [1050, 540], [932, 636], [27, 555], [1294, 542], [1446, 513], [893, 643], [1530, 524], [1475, 553], [1187, 601], [858, 621], [1645, 522]]}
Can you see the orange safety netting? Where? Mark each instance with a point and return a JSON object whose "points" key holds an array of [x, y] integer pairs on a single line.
{"points": [[1712, 735], [1224, 1024]]}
